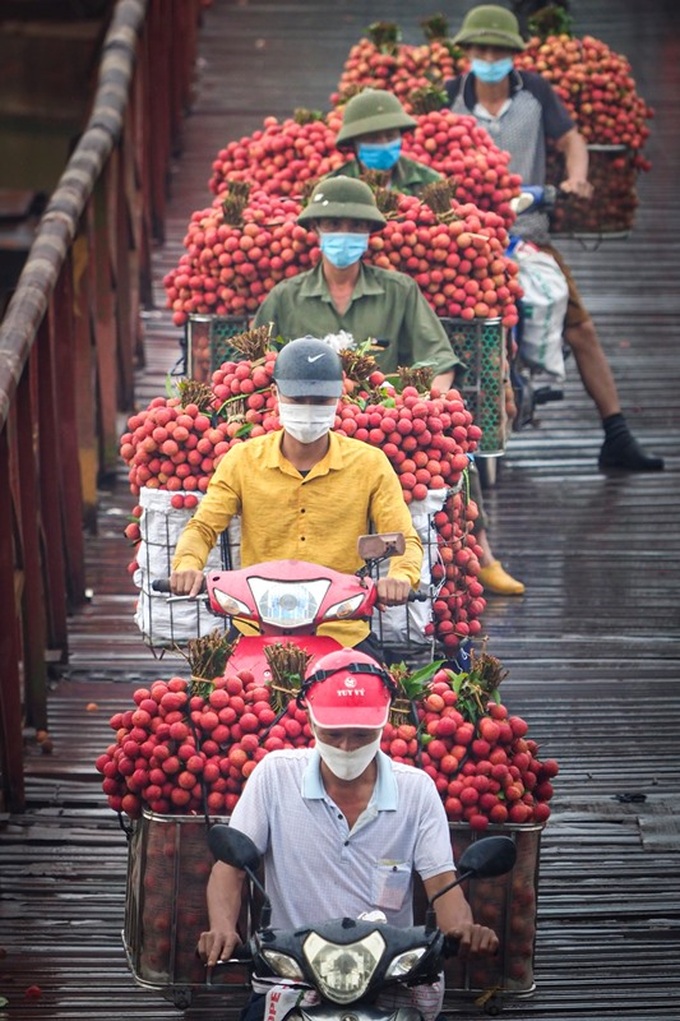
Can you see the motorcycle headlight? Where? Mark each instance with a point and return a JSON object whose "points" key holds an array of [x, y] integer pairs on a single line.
{"points": [[344, 609], [283, 964], [288, 604], [343, 972], [402, 964]]}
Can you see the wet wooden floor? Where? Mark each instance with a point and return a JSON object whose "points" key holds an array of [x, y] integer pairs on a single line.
{"points": [[592, 649]]}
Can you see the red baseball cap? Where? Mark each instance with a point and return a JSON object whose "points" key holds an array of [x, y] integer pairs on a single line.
{"points": [[348, 689]]}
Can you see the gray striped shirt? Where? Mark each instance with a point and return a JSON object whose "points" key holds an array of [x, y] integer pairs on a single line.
{"points": [[533, 113]]}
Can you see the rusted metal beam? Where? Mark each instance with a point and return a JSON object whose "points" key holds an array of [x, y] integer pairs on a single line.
{"points": [[64, 388], [49, 481], [11, 743], [33, 597]]}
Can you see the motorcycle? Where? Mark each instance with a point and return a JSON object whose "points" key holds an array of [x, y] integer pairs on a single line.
{"points": [[291, 599], [349, 962]]}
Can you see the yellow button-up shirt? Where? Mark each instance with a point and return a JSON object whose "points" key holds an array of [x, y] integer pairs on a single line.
{"points": [[317, 517]]}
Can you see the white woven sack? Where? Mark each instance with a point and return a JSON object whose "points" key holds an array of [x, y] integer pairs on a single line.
{"points": [[165, 624], [544, 306], [405, 625]]}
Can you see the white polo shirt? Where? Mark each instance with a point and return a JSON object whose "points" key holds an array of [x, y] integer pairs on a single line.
{"points": [[316, 868]]}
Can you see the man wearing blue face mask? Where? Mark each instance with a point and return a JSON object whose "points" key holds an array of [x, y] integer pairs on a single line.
{"points": [[372, 127], [521, 111], [342, 293]]}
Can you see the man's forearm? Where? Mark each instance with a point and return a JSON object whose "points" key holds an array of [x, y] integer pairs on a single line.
{"points": [[223, 895], [443, 382], [575, 151], [452, 908]]}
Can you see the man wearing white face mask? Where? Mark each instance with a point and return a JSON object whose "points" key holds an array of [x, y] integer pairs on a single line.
{"points": [[304, 492], [356, 825]]}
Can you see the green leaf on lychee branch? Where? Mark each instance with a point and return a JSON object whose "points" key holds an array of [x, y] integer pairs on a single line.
{"points": [[414, 685]]}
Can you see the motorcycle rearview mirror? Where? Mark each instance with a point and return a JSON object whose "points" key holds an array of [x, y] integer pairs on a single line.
{"points": [[235, 848], [483, 859], [381, 546], [490, 856]]}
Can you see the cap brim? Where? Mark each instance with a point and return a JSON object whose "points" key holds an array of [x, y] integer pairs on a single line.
{"points": [[355, 718], [349, 134], [343, 211], [309, 387], [492, 37]]}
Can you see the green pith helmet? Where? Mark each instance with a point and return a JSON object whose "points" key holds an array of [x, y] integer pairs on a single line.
{"points": [[369, 111], [490, 25], [343, 197]]}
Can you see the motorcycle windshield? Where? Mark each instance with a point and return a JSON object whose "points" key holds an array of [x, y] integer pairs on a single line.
{"points": [[288, 604]]}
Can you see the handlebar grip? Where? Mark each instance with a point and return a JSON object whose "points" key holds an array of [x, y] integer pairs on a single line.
{"points": [[450, 946], [241, 954], [161, 585], [418, 597]]}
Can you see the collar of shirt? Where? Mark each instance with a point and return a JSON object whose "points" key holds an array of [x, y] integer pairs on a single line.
{"points": [[482, 114], [331, 461], [384, 797], [404, 173], [314, 285], [469, 95]]}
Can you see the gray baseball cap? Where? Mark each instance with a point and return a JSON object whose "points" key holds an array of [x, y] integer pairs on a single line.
{"points": [[308, 367]]}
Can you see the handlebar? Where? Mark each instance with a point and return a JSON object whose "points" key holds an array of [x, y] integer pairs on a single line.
{"points": [[241, 954], [163, 585], [450, 947], [535, 197]]}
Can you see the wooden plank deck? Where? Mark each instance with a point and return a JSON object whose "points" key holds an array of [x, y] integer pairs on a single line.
{"points": [[592, 648]]}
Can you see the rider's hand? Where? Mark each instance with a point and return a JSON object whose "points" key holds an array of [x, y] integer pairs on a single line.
{"points": [[216, 945], [474, 939], [392, 592], [186, 583], [577, 186]]}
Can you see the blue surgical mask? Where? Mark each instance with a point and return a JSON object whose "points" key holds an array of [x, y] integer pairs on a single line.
{"points": [[342, 249], [379, 155], [492, 72]]}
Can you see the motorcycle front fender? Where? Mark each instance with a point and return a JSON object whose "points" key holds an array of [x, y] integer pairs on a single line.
{"points": [[249, 654], [358, 1012]]}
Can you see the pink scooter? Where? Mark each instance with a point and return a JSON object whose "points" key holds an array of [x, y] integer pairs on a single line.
{"points": [[288, 600]]}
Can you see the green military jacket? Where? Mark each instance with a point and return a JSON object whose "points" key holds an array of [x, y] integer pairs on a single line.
{"points": [[408, 176], [386, 305]]}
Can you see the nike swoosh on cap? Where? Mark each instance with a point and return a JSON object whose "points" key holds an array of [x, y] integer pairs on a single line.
{"points": [[315, 358]]}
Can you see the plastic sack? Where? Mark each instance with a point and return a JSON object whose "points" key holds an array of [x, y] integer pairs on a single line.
{"points": [[544, 306], [411, 625], [165, 624]]}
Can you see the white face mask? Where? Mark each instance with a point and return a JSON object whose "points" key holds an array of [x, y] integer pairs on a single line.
{"points": [[307, 422], [348, 765]]}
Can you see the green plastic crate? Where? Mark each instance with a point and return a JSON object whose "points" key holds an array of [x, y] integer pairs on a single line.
{"points": [[480, 345], [208, 344]]}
